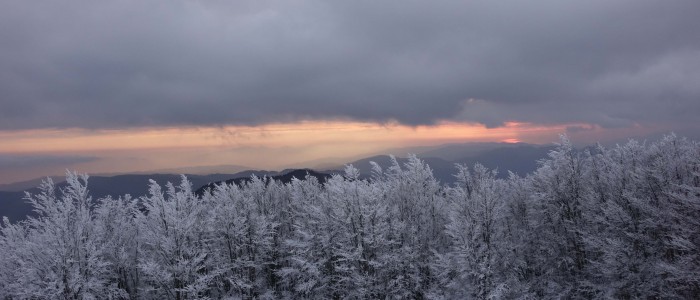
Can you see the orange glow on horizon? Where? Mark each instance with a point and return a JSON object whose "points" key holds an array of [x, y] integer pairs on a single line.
{"points": [[273, 147], [316, 134]]}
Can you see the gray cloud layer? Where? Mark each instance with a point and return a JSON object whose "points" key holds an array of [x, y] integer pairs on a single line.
{"points": [[113, 64]]}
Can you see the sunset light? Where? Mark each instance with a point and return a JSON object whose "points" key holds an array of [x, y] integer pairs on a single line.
{"points": [[189, 149], [269, 146]]}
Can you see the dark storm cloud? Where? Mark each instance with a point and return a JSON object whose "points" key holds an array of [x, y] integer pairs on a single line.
{"points": [[114, 64]]}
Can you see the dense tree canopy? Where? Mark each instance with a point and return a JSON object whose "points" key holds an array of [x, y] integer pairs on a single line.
{"points": [[593, 223]]}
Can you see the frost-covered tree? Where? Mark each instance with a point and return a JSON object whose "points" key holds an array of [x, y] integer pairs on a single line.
{"points": [[560, 209], [593, 223], [174, 261], [647, 219], [117, 232], [241, 236], [13, 242], [416, 210], [363, 217], [57, 255], [473, 266], [522, 261], [314, 266]]}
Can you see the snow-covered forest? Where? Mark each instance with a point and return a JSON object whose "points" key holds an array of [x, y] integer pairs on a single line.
{"points": [[622, 222]]}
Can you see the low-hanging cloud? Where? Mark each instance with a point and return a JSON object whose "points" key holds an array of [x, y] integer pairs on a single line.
{"points": [[117, 64]]}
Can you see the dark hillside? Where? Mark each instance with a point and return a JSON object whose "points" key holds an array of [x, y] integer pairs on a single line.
{"points": [[284, 178]]}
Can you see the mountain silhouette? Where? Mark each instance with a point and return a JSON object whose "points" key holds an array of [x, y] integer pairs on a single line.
{"points": [[286, 177], [520, 158]]}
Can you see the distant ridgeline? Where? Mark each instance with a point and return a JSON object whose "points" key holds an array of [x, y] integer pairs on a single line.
{"points": [[519, 158], [284, 178], [597, 223]]}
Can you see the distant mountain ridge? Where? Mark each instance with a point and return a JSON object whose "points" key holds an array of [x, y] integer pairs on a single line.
{"points": [[519, 158], [457, 152], [285, 177], [14, 207], [442, 169], [27, 184]]}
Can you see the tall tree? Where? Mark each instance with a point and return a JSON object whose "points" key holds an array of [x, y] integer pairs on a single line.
{"points": [[117, 232], [472, 267], [57, 254], [175, 262], [558, 191]]}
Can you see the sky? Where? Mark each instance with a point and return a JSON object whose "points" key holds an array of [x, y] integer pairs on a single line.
{"points": [[120, 86]]}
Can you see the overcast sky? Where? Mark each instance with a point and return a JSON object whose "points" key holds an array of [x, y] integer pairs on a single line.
{"points": [[149, 63], [115, 64]]}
